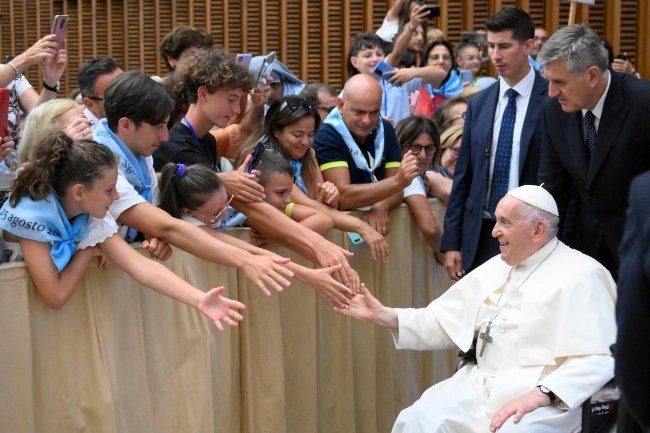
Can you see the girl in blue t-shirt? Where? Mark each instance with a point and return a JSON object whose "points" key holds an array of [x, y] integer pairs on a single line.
{"points": [[59, 211]]}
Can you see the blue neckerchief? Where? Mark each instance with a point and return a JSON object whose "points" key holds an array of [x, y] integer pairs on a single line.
{"points": [[45, 221], [452, 87], [297, 171], [336, 121], [133, 168], [189, 126]]}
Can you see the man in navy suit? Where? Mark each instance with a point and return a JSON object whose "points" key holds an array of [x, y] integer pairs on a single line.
{"points": [[596, 140], [633, 305], [501, 143]]}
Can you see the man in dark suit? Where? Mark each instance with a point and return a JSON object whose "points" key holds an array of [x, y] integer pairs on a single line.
{"points": [[596, 140], [633, 305], [501, 143]]}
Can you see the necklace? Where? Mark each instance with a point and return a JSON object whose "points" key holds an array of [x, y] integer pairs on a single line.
{"points": [[485, 336]]}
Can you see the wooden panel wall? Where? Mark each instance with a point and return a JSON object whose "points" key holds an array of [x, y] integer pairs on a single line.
{"points": [[311, 36]]}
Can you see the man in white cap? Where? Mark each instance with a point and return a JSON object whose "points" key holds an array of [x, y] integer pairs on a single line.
{"points": [[543, 314]]}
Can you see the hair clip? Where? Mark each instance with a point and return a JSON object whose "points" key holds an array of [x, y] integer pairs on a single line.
{"points": [[180, 171]]}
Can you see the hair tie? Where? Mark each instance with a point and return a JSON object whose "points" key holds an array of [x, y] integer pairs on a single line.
{"points": [[180, 171]]}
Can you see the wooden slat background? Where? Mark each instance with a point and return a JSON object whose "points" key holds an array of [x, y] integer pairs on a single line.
{"points": [[311, 36]]}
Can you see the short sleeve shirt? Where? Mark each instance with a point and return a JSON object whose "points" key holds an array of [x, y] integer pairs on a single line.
{"points": [[183, 148], [129, 197], [415, 188], [331, 151]]}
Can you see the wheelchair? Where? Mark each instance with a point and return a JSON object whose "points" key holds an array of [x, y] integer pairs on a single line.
{"points": [[598, 416]]}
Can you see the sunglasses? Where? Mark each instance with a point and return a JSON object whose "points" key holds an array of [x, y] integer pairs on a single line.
{"points": [[218, 214], [298, 103]]}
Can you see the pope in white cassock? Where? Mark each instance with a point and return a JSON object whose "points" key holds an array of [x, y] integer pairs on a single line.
{"points": [[544, 317]]}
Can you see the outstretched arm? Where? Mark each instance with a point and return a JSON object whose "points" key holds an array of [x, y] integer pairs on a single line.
{"points": [[365, 307], [155, 222], [157, 277], [330, 291]]}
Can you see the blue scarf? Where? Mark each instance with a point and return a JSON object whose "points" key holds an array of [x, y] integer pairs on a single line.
{"points": [[452, 87], [297, 171], [133, 168], [336, 120], [45, 221]]}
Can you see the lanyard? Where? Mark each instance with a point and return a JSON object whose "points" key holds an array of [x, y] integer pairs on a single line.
{"points": [[215, 164], [189, 125]]}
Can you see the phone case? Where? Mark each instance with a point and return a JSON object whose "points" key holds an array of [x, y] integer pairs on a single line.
{"points": [[60, 28], [4, 111], [257, 155], [355, 238], [244, 58], [261, 80]]}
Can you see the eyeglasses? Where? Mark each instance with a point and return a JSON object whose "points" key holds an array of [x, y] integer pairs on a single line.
{"points": [[429, 149], [297, 103], [454, 150], [537, 38], [216, 217], [445, 57], [460, 116], [95, 98], [328, 109]]}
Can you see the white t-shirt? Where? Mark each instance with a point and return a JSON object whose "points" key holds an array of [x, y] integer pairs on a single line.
{"points": [[388, 30], [415, 188], [98, 231], [129, 197], [395, 103]]}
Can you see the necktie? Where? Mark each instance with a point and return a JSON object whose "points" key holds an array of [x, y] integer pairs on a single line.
{"points": [[590, 128], [501, 171]]}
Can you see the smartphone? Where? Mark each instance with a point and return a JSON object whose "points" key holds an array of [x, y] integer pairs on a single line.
{"points": [[621, 56], [466, 76], [355, 238], [472, 38], [60, 29], [383, 67], [4, 111], [434, 11], [244, 58], [261, 76], [257, 155]]}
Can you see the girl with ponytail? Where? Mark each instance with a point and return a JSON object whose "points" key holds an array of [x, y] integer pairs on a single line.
{"points": [[193, 193], [59, 211]]}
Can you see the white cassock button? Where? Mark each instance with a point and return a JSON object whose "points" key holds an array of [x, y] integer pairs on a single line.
{"points": [[493, 376], [503, 317], [503, 331]]}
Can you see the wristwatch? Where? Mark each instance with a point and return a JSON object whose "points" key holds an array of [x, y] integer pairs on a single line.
{"points": [[548, 392], [54, 89]]}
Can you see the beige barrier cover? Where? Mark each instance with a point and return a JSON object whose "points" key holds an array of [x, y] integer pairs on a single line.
{"points": [[119, 357]]}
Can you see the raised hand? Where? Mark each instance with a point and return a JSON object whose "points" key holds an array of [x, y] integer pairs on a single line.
{"points": [[264, 270], [217, 308]]}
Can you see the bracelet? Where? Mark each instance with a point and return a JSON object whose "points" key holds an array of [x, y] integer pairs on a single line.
{"points": [[54, 89], [18, 73], [412, 29]]}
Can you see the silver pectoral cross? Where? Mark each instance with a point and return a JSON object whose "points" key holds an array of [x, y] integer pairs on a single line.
{"points": [[485, 336]]}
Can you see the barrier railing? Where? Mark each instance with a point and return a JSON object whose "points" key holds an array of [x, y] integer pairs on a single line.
{"points": [[121, 358]]}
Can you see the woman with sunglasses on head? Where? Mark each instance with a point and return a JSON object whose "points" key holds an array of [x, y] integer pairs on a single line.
{"points": [[420, 135], [289, 129], [58, 209], [194, 194], [440, 54]]}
